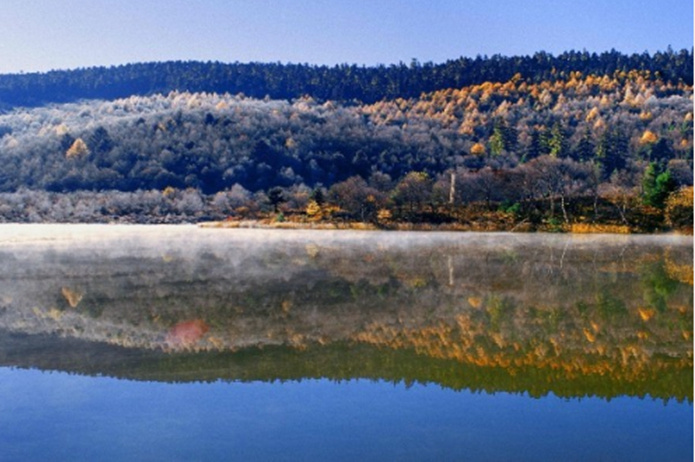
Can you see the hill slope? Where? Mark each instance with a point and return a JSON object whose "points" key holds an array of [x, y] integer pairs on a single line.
{"points": [[627, 134], [212, 141]]}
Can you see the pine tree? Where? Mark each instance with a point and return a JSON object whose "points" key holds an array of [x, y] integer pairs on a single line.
{"points": [[657, 184], [557, 142], [612, 152], [585, 148]]}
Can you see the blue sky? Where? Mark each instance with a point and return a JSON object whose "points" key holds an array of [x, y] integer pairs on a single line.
{"points": [[38, 35]]}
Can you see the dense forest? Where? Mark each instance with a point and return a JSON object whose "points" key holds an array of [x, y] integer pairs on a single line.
{"points": [[343, 82], [544, 141]]}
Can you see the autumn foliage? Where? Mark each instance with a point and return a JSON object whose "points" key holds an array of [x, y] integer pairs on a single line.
{"points": [[538, 149]]}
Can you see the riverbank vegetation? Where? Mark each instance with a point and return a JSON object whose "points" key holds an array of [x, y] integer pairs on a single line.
{"points": [[574, 142]]}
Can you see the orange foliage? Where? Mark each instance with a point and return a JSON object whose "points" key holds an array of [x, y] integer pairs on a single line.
{"points": [[646, 116], [679, 209], [592, 114], [589, 335], [648, 137], [478, 149], [73, 297], [645, 313]]}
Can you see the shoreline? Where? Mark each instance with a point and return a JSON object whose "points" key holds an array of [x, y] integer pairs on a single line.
{"points": [[575, 228], [86, 227]]}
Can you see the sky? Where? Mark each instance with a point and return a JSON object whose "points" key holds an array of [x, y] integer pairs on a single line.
{"points": [[40, 35]]}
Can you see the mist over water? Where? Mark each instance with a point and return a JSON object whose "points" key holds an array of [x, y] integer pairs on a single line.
{"points": [[286, 344], [618, 307]]}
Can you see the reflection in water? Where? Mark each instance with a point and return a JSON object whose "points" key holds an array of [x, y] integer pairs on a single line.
{"points": [[572, 315], [185, 335]]}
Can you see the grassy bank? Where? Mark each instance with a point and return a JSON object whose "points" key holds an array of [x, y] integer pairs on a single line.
{"points": [[479, 226]]}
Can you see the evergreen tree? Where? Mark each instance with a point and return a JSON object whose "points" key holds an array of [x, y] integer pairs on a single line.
{"points": [[276, 196], [584, 151], [557, 142], [612, 151], [657, 184], [660, 152]]}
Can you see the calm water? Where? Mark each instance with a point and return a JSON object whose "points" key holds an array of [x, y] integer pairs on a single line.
{"points": [[179, 343]]}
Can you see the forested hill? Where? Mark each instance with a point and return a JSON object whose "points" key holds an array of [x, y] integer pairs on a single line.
{"points": [[338, 83], [521, 134]]}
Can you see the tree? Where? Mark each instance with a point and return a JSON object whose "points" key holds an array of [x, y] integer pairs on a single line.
{"points": [[478, 149], [381, 181], [562, 179], [413, 190], [318, 196], [313, 210], [612, 151], [648, 137], [679, 209], [584, 151], [189, 202], [484, 185], [557, 142], [538, 144], [101, 141], [496, 143], [238, 196], [77, 150], [357, 198], [656, 186], [276, 196], [660, 152]]}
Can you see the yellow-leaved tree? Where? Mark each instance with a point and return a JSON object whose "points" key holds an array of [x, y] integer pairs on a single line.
{"points": [[313, 211], [648, 137], [78, 149], [679, 209], [478, 149]]}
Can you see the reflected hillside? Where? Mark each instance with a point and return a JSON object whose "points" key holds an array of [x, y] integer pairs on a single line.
{"points": [[572, 315]]}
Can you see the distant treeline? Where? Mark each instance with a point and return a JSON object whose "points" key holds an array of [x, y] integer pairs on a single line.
{"points": [[338, 83], [331, 362]]}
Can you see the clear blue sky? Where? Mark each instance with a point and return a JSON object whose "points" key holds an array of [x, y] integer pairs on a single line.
{"points": [[38, 35]]}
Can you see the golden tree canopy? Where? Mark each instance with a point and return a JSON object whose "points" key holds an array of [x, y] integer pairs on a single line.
{"points": [[478, 149], [313, 210], [593, 114], [648, 137], [78, 149]]}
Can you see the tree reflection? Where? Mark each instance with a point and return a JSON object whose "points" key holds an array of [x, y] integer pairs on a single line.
{"points": [[527, 314]]}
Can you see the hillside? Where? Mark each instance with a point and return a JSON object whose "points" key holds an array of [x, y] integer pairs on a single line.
{"points": [[539, 138]]}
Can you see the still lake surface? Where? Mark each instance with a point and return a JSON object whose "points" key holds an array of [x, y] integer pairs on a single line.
{"points": [[182, 343]]}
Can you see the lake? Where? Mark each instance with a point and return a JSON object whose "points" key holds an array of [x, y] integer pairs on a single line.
{"points": [[183, 343]]}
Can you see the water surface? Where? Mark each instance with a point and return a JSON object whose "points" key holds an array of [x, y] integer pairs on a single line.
{"points": [[181, 343]]}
